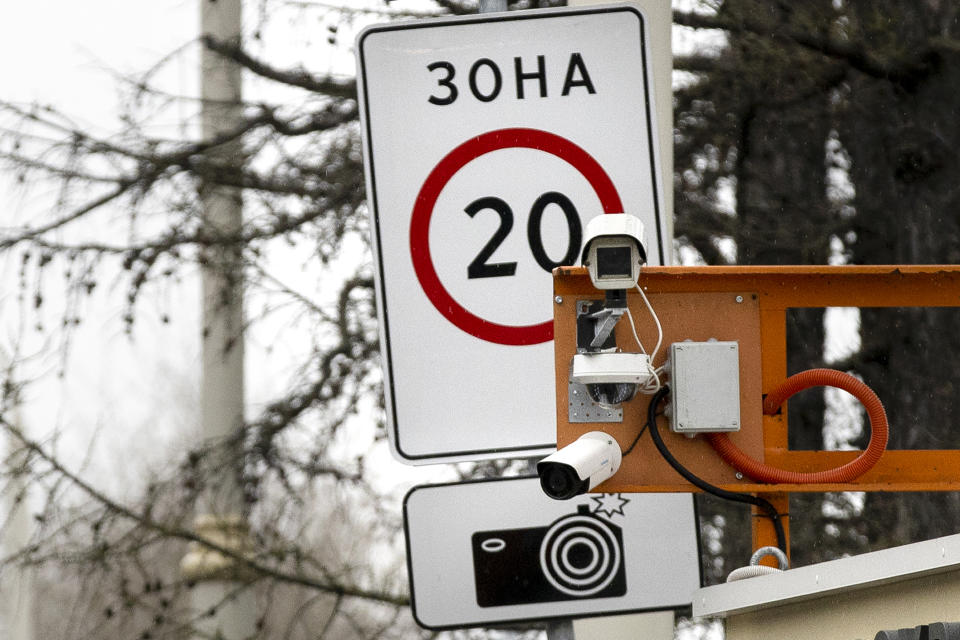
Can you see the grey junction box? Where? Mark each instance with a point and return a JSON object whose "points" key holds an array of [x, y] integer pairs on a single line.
{"points": [[705, 386]]}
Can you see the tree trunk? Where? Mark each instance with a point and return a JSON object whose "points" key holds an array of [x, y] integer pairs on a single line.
{"points": [[902, 138]]}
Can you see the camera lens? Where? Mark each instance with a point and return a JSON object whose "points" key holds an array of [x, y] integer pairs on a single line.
{"points": [[610, 394], [613, 262], [560, 481]]}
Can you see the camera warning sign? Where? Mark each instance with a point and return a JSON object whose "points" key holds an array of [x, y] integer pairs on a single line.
{"points": [[500, 551]]}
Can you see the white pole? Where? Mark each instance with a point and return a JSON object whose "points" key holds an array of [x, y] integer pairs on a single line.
{"points": [[219, 580], [16, 585]]}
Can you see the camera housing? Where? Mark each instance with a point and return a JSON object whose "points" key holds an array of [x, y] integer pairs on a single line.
{"points": [[610, 378], [614, 250], [580, 466]]}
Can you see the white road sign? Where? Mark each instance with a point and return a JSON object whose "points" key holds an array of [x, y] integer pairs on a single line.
{"points": [[489, 142], [499, 551]]}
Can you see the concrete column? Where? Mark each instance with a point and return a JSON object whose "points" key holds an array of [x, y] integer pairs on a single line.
{"points": [[16, 585], [221, 511]]}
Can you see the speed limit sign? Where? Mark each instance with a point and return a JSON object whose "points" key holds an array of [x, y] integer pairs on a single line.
{"points": [[489, 142]]}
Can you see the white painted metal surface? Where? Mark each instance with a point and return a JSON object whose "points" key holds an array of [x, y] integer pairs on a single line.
{"points": [[826, 579], [489, 142]]}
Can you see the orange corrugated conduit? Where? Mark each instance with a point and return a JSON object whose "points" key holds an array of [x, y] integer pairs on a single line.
{"points": [[761, 472]]}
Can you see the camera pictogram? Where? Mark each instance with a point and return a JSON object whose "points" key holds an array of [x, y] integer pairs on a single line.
{"points": [[577, 556]]}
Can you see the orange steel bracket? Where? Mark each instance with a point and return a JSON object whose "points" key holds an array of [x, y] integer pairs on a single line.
{"points": [[749, 305]]}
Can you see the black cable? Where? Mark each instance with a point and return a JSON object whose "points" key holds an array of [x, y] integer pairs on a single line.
{"points": [[626, 452], [700, 483], [635, 440]]}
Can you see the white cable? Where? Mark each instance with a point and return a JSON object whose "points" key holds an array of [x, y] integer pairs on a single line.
{"points": [[751, 571], [755, 569], [653, 383], [633, 328], [655, 319]]}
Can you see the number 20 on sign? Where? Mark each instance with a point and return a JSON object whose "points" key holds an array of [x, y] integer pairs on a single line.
{"points": [[489, 142], [481, 267]]}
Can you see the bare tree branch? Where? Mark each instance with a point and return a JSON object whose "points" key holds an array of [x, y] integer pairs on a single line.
{"points": [[334, 87], [858, 55], [173, 531]]}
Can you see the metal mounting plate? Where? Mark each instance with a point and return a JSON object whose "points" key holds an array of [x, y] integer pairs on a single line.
{"points": [[582, 408]]}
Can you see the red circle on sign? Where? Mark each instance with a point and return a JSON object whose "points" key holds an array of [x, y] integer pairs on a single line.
{"points": [[427, 199]]}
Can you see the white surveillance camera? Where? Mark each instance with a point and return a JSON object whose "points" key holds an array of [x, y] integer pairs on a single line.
{"points": [[579, 466], [614, 250], [610, 378]]}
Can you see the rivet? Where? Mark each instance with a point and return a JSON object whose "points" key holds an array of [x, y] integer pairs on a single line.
{"points": [[558, 300], [739, 476], [739, 299]]}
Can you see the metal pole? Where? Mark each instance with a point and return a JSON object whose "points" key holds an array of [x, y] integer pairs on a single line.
{"points": [[491, 6], [219, 580], [560, 630]]}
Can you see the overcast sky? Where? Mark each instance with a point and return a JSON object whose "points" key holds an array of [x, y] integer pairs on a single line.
{"points": [[65, 52]]}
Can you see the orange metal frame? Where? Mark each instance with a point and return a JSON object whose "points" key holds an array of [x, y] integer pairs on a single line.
{"points": [[750, 304]]}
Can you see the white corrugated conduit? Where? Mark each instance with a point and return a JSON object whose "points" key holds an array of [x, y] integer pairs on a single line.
{"points": [[756, 569]]}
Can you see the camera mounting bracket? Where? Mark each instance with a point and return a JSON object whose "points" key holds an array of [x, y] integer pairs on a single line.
{"points": [[595, 323], [582, 408]]}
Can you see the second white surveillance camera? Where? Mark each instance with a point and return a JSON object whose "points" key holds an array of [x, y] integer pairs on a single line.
{"points": [[579, 466], [614, 250], [610, 378]]}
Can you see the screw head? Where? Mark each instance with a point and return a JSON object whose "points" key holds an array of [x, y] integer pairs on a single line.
{"points": [[739, 476], [558, 300], [739, 299]]}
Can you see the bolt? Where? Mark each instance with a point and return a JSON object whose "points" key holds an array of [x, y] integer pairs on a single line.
{"points": [[739, 476], [558, 300], [739, 299]]}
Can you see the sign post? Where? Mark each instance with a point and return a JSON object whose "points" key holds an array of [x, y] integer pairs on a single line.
{"points": [[489, 142]]}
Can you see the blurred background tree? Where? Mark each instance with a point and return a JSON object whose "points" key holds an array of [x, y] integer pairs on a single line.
{"points": [[821, 132]]}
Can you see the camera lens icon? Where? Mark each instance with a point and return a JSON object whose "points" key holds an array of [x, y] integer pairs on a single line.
{"points": [[580, 556]]}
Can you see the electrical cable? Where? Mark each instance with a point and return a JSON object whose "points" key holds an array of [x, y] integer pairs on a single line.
{"points": [[656, 320], [653, 382], [626, 452], [702, 484], [761, 472]]}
